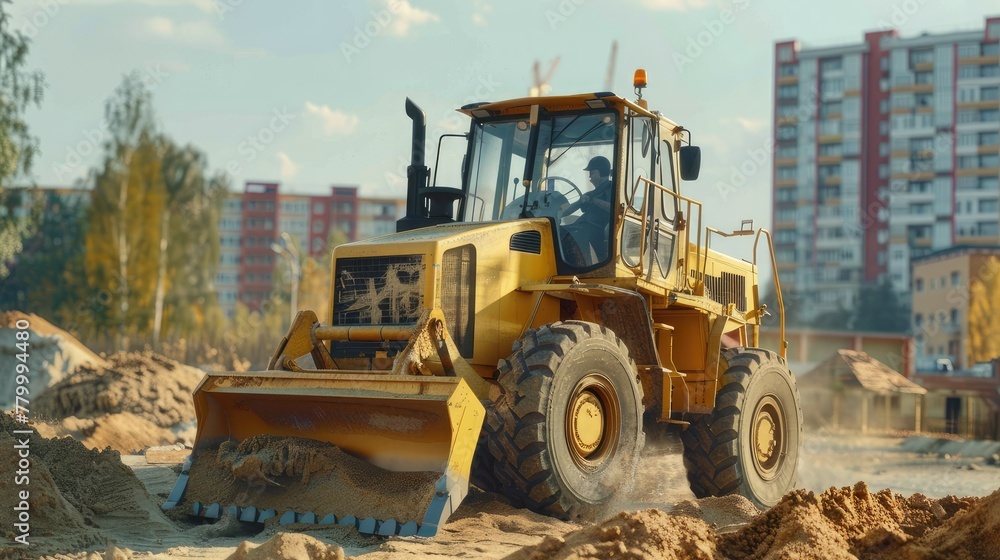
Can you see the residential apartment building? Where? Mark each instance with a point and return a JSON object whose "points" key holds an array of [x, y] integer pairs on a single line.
{"points": [[943, 294], [885, 150], [252, 221]]}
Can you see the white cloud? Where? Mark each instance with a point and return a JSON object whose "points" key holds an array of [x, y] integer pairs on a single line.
{"points": [[479, 12], [332, 121], [751, 125], [288, 168], [188, 33], [674, 5], [404, 15]]}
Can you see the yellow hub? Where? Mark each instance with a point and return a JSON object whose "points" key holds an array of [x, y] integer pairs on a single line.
{"points": [[767, 437], [587, 423]]}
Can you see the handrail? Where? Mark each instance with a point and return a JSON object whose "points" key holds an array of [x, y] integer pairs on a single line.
{"points": [[701, 261], [783, 344]]}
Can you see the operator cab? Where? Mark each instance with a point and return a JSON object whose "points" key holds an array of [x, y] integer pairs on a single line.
{"points": [[575, 160], [508, 180]]}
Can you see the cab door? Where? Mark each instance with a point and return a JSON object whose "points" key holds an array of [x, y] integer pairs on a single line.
{"points": [[649, 158]]}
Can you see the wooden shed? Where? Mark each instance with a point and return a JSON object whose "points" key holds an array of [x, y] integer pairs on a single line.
{"points": [[852, 390]]}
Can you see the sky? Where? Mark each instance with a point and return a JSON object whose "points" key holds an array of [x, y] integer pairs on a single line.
{"points": [[311, 93]]}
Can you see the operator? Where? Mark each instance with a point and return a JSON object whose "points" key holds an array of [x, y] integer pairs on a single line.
{"points": [[596, 204], [590, 232]]}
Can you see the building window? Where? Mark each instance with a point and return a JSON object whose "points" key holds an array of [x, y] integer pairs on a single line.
{"points": [[921, 56], [954, 279], [788, 91], [788, 69], [785, 53], [785, 173], [832, 86], [918, 284]]}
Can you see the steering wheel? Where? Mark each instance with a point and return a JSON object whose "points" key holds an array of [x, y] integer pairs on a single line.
{"points": [[543, 199], [579, 193]]}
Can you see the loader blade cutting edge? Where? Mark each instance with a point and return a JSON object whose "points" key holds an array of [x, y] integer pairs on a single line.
{"points": [[389, 455]]}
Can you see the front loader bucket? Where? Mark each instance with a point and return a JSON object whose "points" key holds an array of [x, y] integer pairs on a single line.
{"points": [[389, 454]]}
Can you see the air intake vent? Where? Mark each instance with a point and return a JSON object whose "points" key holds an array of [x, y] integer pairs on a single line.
{"points": [[728, 288], [458, 296], [526, 242], [378, 290]]}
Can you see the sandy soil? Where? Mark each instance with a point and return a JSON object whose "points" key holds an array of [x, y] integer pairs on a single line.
{"points": [[96, 508]]}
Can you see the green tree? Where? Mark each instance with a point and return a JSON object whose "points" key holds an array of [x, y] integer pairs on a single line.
{"points": [[880, 309], [188, 248], [983, 343], [125, 212], [49, 268], [19, 89]]}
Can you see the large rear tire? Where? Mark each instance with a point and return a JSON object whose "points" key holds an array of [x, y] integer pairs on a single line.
{"points": [[565, 431], [749, 444]]}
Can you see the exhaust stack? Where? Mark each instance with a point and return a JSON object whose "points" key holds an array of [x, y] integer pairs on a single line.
{"points": [[417, 173]]}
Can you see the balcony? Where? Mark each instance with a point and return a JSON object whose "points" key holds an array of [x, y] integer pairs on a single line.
{"points": [[914, 88], [977, 172], [979, 60]]}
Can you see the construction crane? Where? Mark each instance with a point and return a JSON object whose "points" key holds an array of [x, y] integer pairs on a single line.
{"points": [[609, 78], [541, 86]]}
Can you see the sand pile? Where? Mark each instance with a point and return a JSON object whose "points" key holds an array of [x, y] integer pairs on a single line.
{"points": [[972, 534], [52, 354], [644, 534], [124, 432], [288, 546], [74, 494], [289, 473], [723, 513], [143, 383], [840, 523]]}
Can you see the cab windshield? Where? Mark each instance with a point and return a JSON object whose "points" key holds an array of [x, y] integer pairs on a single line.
{"points": [[571, 179]]}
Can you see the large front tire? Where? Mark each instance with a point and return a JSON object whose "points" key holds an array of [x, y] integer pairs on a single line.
{"points": [[565, 431], [749, 444]]}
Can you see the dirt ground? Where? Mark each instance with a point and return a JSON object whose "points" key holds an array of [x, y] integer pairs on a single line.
{"points": [[102, 505], [94, 496]]}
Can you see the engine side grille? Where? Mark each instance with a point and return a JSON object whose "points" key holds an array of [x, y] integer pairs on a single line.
{"points": [[526, 242], [727, 288], [458, 296], [378, 290]]}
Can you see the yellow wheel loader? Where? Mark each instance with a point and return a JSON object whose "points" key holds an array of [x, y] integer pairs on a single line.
{"points": [[523, 330]]}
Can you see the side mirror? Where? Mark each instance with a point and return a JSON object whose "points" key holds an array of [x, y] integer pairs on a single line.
{"points": [[690, 162]]}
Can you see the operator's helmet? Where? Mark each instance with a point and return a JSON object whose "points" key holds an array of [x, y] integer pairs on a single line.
{"points": [[601, 164]]}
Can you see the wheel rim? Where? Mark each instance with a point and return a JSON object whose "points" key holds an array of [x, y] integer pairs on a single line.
{"points": [[767, 437], [593, 421]]}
